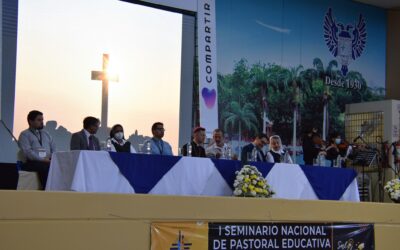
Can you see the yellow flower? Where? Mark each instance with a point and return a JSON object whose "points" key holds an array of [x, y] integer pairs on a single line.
{"points": [[244, 189], [260, 183], [247, 180], [251, 187], [253, 176]]}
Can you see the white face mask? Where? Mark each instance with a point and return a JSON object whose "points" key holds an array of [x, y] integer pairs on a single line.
{"points": [[338, 141], [119, 135]]}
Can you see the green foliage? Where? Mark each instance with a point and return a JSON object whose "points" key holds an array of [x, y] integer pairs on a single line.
{"points": [[285, 90]]}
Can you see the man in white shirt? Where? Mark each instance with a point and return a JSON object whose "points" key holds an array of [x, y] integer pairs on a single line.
{"points": [[217, 148], [37, 146]]}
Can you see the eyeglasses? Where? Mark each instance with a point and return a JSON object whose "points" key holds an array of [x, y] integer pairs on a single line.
{"points": [[160, 129]]}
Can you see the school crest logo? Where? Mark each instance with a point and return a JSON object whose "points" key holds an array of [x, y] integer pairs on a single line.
{"points": [[345, 42]]}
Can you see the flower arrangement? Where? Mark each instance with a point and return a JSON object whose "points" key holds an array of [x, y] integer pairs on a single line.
{"points": [[393, 189], [249, 182]]}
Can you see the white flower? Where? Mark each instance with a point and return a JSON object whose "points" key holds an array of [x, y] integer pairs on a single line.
{"points": [[237, 192], [393, 189], [256, 177]]}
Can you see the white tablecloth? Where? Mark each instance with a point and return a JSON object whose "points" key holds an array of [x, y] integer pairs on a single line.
{"points": [[95, 171]]}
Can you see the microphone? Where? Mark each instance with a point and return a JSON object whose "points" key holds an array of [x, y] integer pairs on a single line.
{"points": [[356, 139]]}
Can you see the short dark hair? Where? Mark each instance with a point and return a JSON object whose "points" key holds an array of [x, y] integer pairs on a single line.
{"points": [[33, 114], [90, 121], [308, 128], [262, 135], [197, 129], [112, 131], [218, 130], [154, 126]]}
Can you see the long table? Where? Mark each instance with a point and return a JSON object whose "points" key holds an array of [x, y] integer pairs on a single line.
{"points": [[101, 171]]}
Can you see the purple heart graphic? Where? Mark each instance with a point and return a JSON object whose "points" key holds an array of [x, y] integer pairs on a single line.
{"points": [[209, 97]]}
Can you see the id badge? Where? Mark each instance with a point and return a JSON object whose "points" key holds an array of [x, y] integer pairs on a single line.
{"points": [[42, 153]]}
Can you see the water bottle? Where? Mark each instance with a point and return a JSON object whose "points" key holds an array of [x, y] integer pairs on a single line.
{"points": [[222, 151], [321, 160], [254, 154], [108, 145], [285, 157], [338, 162], [228, 152], [148, 147], [317, 161], [189, 149]]}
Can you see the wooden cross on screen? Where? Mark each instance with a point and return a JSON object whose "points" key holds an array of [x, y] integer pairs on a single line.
{"points": [[105, 77]]}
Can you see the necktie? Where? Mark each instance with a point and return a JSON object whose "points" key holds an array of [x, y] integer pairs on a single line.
{"points": [[91, 143], [161, 146]]}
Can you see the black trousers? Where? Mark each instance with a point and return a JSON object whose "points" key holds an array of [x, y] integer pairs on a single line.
{"points": [[42, 168]]}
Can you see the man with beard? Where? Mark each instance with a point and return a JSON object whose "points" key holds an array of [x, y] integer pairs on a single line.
{"points": [[197, 144], [37, 147]]}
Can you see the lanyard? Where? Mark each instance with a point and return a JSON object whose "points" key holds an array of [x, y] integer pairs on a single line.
{"points": [[38, 137]]}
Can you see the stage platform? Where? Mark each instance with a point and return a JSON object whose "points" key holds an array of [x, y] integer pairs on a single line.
{"points": [[33, 220]]}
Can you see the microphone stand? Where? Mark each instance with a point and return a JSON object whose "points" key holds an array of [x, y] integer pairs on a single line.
{"points": [[363, 165], [9, 131]]}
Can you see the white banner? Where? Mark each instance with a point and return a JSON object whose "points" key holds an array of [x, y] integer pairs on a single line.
{"points": [[207, 56], [189, 5]]}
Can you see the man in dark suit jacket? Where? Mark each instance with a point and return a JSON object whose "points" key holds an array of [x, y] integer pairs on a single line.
{"points": [[310, 151], [199, 135], [86, 139], [259, 142]]}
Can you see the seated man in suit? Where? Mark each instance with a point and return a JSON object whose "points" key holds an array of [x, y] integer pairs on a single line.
{"points": [[37, 146], [86, 139], [199, 135], [259, 142]]}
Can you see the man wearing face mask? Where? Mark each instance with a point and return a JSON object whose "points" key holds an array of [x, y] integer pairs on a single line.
{"points": [[37, 146], [118, 142], [157, 144], [86, 139]]}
